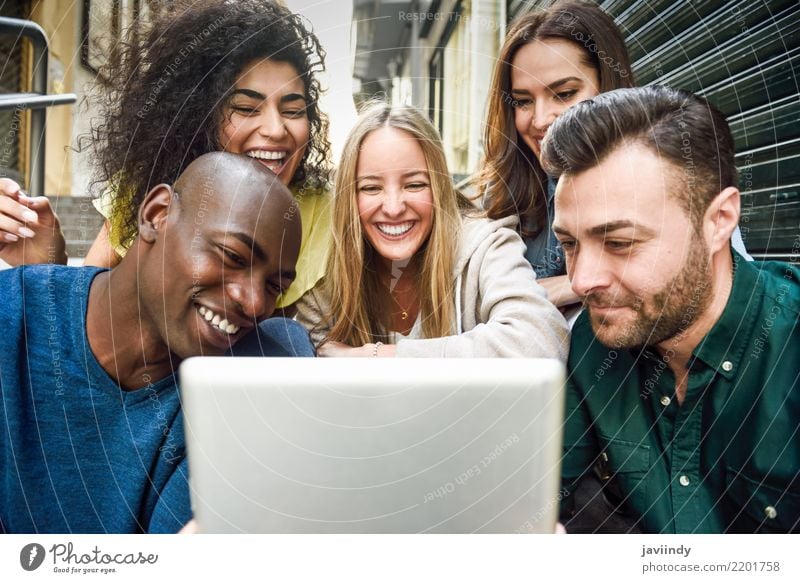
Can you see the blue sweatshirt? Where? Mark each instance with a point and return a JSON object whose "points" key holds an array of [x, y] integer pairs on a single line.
{"points": [[77, 453]]}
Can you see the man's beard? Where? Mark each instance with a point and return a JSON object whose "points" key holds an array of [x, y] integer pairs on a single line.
{"points": [[666, 314]]}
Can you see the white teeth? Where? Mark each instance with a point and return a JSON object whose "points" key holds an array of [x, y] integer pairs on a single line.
{"points": [[395, 230], [265, 155], [215, 320]]}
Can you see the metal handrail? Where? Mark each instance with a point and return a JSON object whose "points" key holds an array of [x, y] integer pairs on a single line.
{"points": [[38, 100]]}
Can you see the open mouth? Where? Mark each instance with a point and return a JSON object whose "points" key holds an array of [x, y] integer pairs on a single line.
{"points": [[395, 230], [217, 321], [274, 160]]}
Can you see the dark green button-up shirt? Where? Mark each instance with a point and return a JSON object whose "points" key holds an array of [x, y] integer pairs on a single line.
{"points": [[728, 458]]}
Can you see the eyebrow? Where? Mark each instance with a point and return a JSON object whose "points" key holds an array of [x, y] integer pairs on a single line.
{"points": [[260, 96], [612, 226], [609, 227], [406, 175], [552, 86]]}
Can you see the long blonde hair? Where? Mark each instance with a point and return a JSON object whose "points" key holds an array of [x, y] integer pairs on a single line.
{"points": [[358, 299]]}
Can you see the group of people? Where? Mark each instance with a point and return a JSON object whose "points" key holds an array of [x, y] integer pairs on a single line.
{"points": [[596, 197]]}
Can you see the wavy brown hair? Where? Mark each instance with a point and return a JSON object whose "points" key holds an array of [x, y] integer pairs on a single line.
{"points": [[162, 95], [360, 305], [511, 180]]}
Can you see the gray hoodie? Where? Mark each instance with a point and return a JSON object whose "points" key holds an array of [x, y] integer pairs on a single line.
{"points": [[501, 310]]}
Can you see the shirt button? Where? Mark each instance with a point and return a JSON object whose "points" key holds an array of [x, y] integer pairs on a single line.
{"points": [[770, 512], [684, 480], [665, 400], [727, 366]]}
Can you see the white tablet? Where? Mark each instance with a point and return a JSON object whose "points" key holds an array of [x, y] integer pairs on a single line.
{"points": [[373, 445]]}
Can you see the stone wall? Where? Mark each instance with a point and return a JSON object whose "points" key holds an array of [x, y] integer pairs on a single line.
{"points": [[80, 223]]}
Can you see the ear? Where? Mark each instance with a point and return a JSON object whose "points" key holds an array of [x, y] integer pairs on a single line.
{"points": [[721, 219], [153, 212]]}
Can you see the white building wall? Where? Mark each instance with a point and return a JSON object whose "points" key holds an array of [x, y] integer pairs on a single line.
{"points": [[487, 26], [468, 64]]}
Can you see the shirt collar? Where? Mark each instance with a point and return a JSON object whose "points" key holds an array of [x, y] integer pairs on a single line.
{"points": [[551, 190], [724, 346]]}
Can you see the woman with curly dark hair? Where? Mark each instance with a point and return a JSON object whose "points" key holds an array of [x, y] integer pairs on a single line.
{"points": [[206, 75]]}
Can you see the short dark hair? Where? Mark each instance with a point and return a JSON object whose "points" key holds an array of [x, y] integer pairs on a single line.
{"points": [[674, 124]]}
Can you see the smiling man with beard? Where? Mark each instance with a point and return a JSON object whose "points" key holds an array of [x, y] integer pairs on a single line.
{"points": [[684, 367], [92, 437]]}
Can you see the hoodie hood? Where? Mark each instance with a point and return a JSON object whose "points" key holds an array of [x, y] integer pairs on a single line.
{"points": [[474, 231]]}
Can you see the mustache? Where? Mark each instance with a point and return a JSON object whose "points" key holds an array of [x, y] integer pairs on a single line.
{"points": [[606, 300]]}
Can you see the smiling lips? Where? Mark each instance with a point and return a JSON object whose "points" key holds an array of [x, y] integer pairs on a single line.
{"points": [[273, 160], [395, 229], [537, 139], [217, 321]]}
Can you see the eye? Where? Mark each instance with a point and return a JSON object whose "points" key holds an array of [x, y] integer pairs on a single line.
{"points": [[521, 103], [619, 245], [295, 113], [244, 110], [568, 245], [277, 288], [370, 189], [566, 95], [416, 186], [233, 257]]}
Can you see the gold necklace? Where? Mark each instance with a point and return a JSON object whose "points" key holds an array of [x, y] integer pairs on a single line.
{"points": [[403, 311]]}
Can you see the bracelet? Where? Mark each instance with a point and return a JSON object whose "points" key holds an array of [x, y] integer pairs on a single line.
{"points": [[375, 350]]}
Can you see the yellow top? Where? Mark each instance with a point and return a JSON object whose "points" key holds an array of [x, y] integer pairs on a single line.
{"points": [[315, 216], [105, 206]]}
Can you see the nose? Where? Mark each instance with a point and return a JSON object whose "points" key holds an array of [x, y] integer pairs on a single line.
{"points": [[271, 124], [393, 203], [544, 114], [250, 298], [588, 272]]}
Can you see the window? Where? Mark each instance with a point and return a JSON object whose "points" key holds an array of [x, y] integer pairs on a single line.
{"points": [[13, 123], [456, 102]]}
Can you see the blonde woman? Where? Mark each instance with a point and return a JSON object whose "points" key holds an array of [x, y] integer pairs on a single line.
{"points": [[415, 269]]}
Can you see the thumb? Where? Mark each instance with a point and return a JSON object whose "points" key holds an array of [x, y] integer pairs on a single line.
{"points": [[40, 204], [33, 202]]}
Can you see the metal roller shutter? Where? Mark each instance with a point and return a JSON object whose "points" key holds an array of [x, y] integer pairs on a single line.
{"points": [[744, 56]]}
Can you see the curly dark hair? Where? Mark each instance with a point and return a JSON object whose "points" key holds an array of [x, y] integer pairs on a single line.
{"points": [[163, 92]]}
